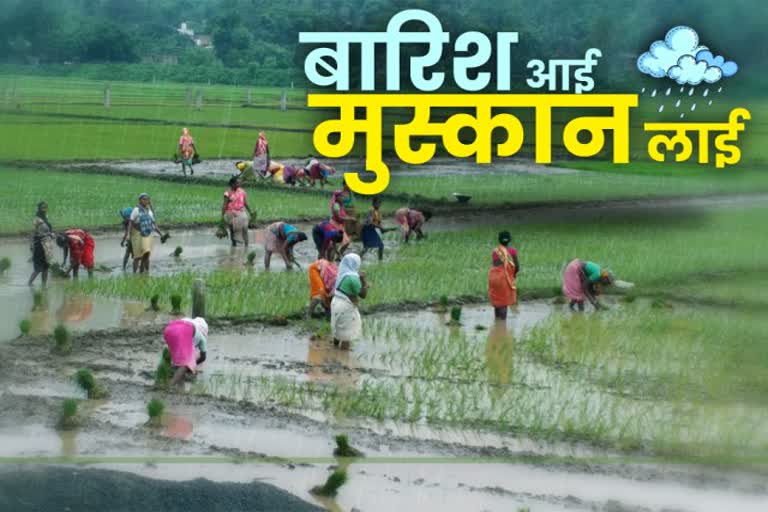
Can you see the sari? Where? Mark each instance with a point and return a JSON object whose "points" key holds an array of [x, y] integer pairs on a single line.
{"points": [[502, 288]]}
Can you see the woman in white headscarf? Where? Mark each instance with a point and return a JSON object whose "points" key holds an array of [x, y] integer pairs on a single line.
{"points": [[187, 340], [346, 324]]}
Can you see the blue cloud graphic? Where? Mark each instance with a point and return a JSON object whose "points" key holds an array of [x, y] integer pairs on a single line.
{"points": [[729, 68]]}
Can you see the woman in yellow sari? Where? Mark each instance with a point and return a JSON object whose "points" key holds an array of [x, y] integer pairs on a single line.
{"points": [[502, 286]]}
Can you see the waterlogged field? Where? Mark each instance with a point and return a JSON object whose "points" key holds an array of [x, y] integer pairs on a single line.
{"points": [[659, 253], [640, 379]]}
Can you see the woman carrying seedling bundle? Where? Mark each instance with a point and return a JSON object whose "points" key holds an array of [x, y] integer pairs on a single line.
{"points": [[140, 229], [350, 287], [411, 221], [502, 289], [186, 151], [42, 244], [187, 340], [322, 279], [281, 238], [584, 280], [79, 245], [236, 213]]}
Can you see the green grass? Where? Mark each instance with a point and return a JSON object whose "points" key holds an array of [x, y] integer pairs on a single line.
{"points": [[91, 200], [658, 254]]}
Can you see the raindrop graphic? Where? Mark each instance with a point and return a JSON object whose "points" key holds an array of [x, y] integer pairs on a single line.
{"points": [[690, 93], [653, 93], [720, 89], [682, 89], [668, 91], [693, 107], [642, 91], [661, 108], [710, 102], [682, 115], [677, 104], [706, 92]]}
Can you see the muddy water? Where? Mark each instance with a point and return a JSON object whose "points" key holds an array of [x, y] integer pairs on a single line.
{"points": [[224, 168]]}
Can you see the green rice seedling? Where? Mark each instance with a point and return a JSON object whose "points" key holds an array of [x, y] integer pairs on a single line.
{"points": [[58, 271], [38, 300], [87, 382], [69, 417], [176, 304], [25, 326], [442, 304], [62, 339], [251, 258], [479, 327], [559, 299], [155, 409], [659, 303], [456, 315], [177, 252], [629, 298], [154, 302], [332, 484], [5, 264], [343, 449], [164, 371]]}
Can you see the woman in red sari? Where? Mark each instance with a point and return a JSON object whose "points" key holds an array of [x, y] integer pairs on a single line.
{"points": [[502, 288]]}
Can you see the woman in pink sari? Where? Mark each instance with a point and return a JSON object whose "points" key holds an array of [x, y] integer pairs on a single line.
{"points": [[187, 340], [338, 220], [187, 151], [261, 155]]}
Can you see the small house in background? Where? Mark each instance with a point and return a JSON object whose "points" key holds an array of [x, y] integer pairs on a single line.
{"points": [[185, 30], [203, 41]]}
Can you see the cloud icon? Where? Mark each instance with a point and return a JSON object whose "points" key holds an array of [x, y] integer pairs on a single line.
{"points": [[663, 55], [691, 72], [729, 68]]}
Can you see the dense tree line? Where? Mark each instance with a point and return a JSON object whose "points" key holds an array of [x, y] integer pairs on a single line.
{"points": [[250, 36]]}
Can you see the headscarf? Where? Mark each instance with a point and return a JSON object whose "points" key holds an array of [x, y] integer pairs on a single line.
{"points": [[43, 215], [349, 266], [261, 144], [295, 237], [143, 195], [200, 325]]}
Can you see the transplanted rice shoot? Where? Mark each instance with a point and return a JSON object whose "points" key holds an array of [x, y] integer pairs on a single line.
{"points": [[69, 414], [332, 485], [456, 315], [343, 449], [154, 302], [176, 304], [38, 300], [61, 337], [164, 371], [155, 409], [177, 252], [251, 257], [5, 264], [25, 326], [87, 382]]}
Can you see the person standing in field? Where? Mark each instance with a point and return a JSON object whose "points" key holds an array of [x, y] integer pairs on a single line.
{"points": [[187, 151], [187, 340], [326, 236], [140, 229], [322, 278], [281, 238], [371, 228], [339, 218], [583, 281], [236, 213], [350, 287], [411, 221], [125, 213], [42, 244], [318, 171], [502, 287], [261, 155], [79, 245]]}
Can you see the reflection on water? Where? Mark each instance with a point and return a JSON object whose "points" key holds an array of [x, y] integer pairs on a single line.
{"points": [[177, 427], [330, 364], [75, 308], [68, 442], [499, 354]]}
